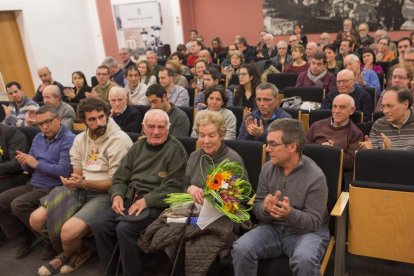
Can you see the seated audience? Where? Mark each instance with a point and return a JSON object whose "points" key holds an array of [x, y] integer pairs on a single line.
{"points": [[236, 60], [128, 118], [47, 160], [302, 38], [247, 50], [245, 95], [296, 226], [311, 49], [135, 90], [333, 65], [339, 131], [217, 50], [317, 75], [299, 64], [215, 100], [211, 78], [345, 48], [197, 82], [52, 96], [104, 84], [46, 77], [365, 78], [125, 55], [363, 39], [324, 39], [12, 140], [80, 86], [226, 61], [152, 59], [179, 58], [345, 82], [348, 32], [196, 47], [21, 109], [380, 34], [369, 61], [403, 45], [269, 50], [146, 74], [179, 79], [259, 46], [399, 75], [256, 123], [156, 165], [282, 59], [383, 52], [179, 122], [176, 94], [95, 156], [115, 72], [396, 129]]}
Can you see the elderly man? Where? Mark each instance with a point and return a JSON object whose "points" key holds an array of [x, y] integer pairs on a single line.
{"points": [[311, 49], [163, 156], [46, 77], [52, 96], [128, 118], [363, 78], [152, 58], [11, 141], [95, 156], [363, 39], [47, 160], [290, 206], [134, 89], [380, 34], [396, 129], [125, 57], [255, 124], [339, 130], [317, 75], [21, 109], [269, 49], [176, 94], [345, 82], [116, 73], [179, 122], [348, 32], [211, 78], [324, 39], [403, 45], [104, 84]]}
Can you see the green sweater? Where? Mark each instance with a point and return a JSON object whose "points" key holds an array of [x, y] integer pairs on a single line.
{"points": [[160, 171]]}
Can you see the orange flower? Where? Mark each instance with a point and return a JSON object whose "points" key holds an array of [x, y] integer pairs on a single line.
{"points": [[215, 183]]}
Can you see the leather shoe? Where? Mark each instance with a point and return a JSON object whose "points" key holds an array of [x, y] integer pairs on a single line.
{"points": [[48, 252], [25, 246]]}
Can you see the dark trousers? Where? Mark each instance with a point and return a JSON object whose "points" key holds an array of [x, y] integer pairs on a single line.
{"points": [[107, 230], [16, 205], [14, 181]]}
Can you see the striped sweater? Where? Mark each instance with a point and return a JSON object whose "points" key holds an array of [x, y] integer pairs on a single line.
{"points": [[401, 138]]}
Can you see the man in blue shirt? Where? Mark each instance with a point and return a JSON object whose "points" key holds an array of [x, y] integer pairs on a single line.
{"points": [[254, 126], [47, 160]]}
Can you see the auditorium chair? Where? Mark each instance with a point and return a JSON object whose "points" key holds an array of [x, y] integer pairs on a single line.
{"points": [[381, 204], [238, 111], [312, 94], [189, 143], [282, 80], [319, 114]]}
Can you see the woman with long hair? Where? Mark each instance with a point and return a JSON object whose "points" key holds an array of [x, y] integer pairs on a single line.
{"points": [[246, 93]]}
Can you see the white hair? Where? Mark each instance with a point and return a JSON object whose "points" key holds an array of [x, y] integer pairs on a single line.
{"points": [[156, 113], [116, 89]]}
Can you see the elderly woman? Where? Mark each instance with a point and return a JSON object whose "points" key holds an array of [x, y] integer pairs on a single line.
{"points": [[299, 64], [283, 58], [236, 60], [400, 75], [215, 100], [211, 128], [383, 52]]}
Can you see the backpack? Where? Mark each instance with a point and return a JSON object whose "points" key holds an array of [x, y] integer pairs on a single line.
{"points": [[292, 102]]}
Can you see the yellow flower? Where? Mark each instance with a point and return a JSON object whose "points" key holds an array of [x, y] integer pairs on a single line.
{"points": [[1, 151], [226, 175]]}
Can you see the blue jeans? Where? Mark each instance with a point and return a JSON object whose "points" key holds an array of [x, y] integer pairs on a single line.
{"points": [[266, 241]]}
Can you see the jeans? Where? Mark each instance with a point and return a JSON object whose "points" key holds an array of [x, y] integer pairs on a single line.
{"points": [[266, 241]]}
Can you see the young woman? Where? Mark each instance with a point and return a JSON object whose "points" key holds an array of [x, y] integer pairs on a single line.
{"points": [[146, 75], [330, 53], [299, 64], [302, 39], [198, 82], [246, 93], [80, 86], [369, 61]]}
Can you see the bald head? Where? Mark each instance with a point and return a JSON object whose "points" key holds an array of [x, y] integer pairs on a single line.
{"points": [[45, 75], [345, 81], [52, 95], [344, 99], [343, 106]]}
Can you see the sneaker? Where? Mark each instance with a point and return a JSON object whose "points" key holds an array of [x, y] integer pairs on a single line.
{"points": [[48, 252], [25, 246], [76, 261]]}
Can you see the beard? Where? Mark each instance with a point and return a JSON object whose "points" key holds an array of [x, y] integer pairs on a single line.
{"points": [[99, 131]]}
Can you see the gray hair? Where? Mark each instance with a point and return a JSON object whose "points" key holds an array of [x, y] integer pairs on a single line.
{"points": [[47, 108], [281, 43], [268, 85], [116, 89], [54, 90], [353, 57], [293, 132], [206, 117], [109, 62], [350, 100], [157, 113]]}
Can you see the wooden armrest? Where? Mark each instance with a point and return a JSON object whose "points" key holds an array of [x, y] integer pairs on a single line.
{"points": [[340, 204]]}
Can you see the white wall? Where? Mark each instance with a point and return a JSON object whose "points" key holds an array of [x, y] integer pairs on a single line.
{"points": [[61, 34]]}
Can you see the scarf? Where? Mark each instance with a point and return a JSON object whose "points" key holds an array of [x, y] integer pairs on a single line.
{"points": [[317, 80]]}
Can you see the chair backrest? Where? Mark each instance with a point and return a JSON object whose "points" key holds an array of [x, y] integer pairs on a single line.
{"points": [[238, 111], [191, 94], [253, 154], [30, 133], [371, 91], [320, 114], [282, 80], [295, 113], [189, 111], [381, 77], [329, 159], [376, 115], [384, 65], [234, 80], [189, 143], [313, 94], [384, 169], [142, 109]]}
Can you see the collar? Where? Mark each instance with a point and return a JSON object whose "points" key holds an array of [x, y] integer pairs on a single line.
{"points": [[331, 121], [404, 122], [57, 136]]}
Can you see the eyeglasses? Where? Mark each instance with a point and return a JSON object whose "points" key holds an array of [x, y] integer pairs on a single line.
{"points": [[397, 77], [342, 81], [409, 61], [242, 74], [46, 122], [266, 100], [272, 145], [387, 106]]}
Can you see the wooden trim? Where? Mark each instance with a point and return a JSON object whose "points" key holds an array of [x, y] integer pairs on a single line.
{"points": [[340, 205], [327, 256]]}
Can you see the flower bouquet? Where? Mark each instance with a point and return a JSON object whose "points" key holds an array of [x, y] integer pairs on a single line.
{"points": [[225, 189]]}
